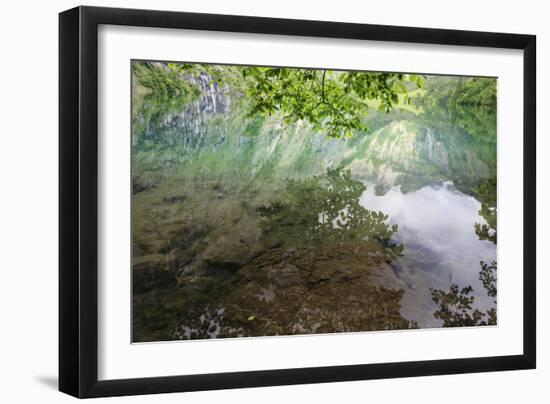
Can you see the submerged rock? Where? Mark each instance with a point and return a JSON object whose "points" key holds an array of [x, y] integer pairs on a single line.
{"points": [[152, 272], [337, 287], [234, 245], [226, 252], [283, 275]]}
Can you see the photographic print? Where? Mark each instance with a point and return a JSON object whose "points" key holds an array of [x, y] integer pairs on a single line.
{"points": [[273, 201]]}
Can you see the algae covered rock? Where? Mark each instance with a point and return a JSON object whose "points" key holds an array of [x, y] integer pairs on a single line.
{"points": [[339, 287], [152, 272], [234, 245]]}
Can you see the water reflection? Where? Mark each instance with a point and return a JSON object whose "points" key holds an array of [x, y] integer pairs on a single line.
{"points": [[456, 307], [325, 209], [436, 226], [245, 227]]}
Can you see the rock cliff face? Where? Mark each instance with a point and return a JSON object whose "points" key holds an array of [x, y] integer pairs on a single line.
{"points": [[191, 125], [188, 127], [412, 154], [408, 145]]}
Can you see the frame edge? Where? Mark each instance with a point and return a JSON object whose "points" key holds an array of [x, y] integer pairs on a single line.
{"points": [[529, 201], [69, 82], [78, 289]]}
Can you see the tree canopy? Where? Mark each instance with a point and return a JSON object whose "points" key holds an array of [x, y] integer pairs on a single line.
{"points": [[333, 102]]}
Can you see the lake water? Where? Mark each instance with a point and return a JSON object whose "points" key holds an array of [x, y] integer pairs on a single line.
{"points": [[435, 225], [245, 227]]}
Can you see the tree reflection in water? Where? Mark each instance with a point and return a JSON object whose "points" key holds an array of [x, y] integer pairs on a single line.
{"points": [[326, 208], [455, 307]]}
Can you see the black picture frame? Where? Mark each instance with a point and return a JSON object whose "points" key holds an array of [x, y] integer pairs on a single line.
{"points": [[78, 201]]}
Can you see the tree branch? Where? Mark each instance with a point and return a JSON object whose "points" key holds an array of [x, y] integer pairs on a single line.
{"points": [[323, 85]]}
